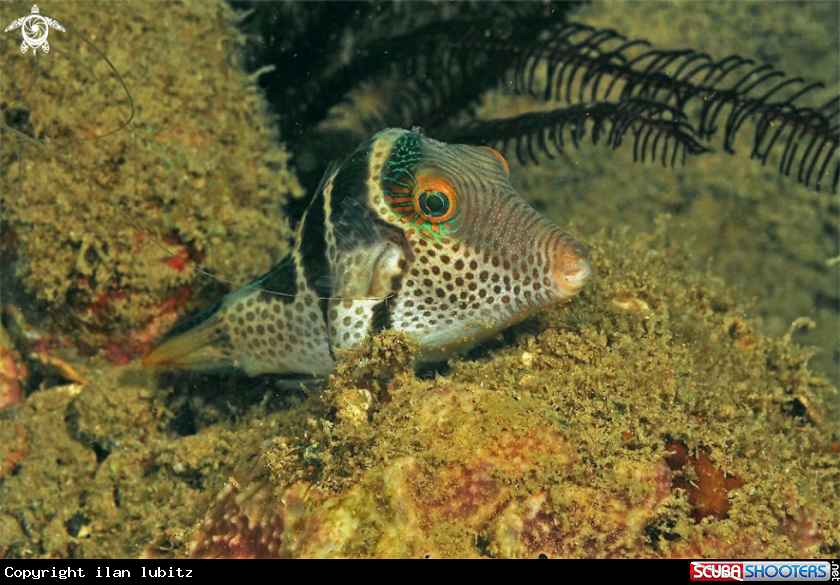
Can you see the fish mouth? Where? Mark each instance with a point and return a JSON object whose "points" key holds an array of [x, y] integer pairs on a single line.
{"points": [[572, 269]]}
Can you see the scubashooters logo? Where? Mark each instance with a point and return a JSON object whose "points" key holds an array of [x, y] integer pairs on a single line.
{"points": [[36, 28], [762, 571]]}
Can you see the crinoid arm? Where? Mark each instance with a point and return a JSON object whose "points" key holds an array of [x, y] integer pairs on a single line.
{"points": [[583, 64], [691, 100], [432, 71], [658, 131]]}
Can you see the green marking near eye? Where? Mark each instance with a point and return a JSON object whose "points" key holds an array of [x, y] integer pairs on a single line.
{"points": [[430, 212], [405, 155]]}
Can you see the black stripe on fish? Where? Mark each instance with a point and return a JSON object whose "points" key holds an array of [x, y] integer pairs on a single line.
{"points": [[313, 246], [280, 282], [315, 263], [381, 318], [349, 182], [348, 200]]}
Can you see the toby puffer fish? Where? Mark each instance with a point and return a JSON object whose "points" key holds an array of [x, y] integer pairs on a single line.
{"points": [[408, 233]]}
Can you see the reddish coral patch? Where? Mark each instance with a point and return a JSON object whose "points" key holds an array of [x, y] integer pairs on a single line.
{"points": [[182, 256], [709, 494], [179, 260], [679, 455], [14, 452], [109, 297], [125, 349], [13, 376]]}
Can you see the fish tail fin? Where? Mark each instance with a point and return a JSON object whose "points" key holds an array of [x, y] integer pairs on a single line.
{"points": [[198, 344]]}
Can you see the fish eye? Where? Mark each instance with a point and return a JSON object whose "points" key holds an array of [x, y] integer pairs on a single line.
{"points": [[433, 203], [427, 203], [434, 199]]}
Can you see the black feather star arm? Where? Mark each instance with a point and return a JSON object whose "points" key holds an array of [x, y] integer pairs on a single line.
{"points": [[440, 70], [355, 43], [577, 63], [426, 74], [658, 131], [429, 65]]}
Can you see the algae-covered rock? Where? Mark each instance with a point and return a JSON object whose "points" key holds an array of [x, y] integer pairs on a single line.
{"points": [[648, 419], [136, 149]]}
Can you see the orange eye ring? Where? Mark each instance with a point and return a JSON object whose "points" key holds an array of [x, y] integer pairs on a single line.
{"points": [[501, 158], [434, 199]]}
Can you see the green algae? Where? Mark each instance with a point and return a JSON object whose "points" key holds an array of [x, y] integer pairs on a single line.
{"points": [[657, 349]]}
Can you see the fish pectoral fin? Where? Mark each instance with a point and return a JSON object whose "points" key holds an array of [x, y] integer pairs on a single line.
{"points": [[369, 272], [366, 259], [386, 269], [199, 345]]}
